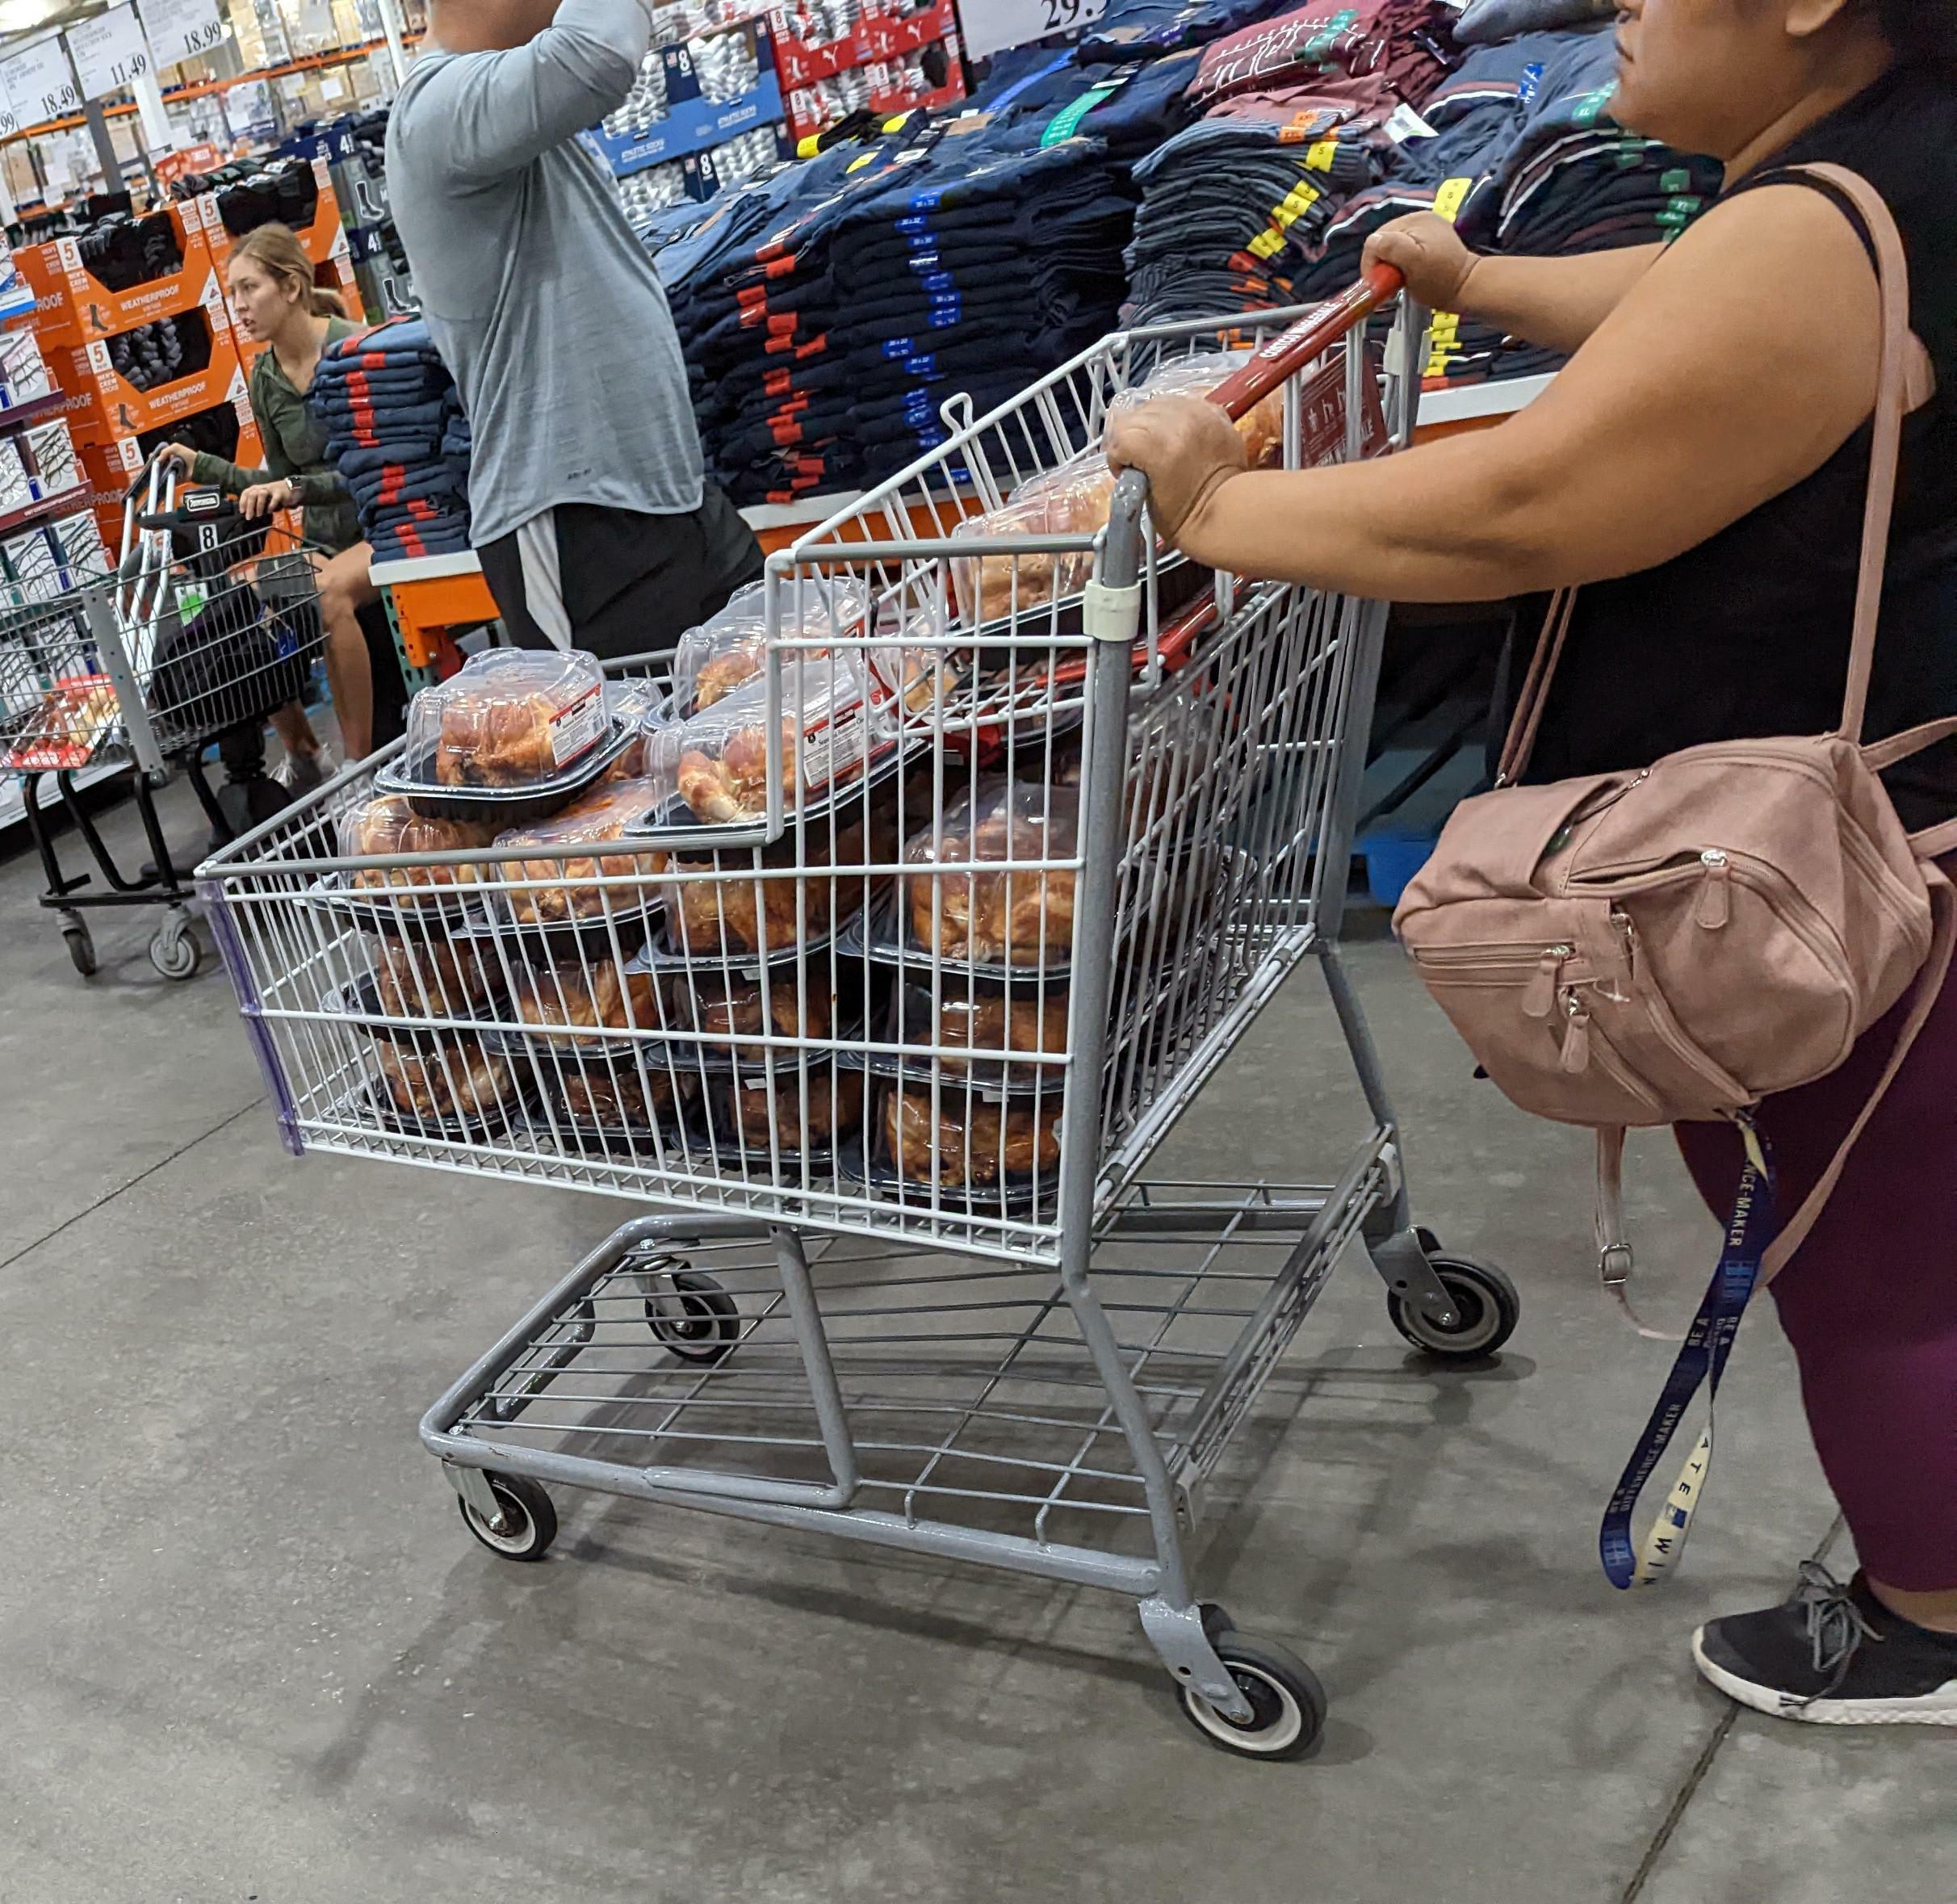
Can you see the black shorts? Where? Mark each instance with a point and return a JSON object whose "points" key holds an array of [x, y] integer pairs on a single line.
{"points": [[631, 584]]}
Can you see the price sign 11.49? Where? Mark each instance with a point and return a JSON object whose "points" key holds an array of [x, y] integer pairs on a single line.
{"points": [[110, 50]]}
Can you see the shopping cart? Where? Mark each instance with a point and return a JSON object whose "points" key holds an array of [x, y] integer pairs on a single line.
{"points": [[209, 624], [1045, 821]]}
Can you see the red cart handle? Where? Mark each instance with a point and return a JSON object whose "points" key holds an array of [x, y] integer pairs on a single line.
{"points": [[1291, 350]]}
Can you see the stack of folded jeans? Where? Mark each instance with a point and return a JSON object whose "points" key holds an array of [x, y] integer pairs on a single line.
{"points": [[391, 414]]}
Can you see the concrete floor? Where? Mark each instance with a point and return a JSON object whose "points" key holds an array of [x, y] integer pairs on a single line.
{"points": [[248, 1651]]}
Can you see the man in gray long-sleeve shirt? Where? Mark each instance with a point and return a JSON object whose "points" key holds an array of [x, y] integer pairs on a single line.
{"points": [[593, 524]]}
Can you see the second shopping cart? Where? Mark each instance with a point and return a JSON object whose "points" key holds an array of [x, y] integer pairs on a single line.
{"points": [[208, 626]]}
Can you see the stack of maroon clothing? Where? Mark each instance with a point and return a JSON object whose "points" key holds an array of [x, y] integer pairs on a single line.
{"points": [[1374, 53]]}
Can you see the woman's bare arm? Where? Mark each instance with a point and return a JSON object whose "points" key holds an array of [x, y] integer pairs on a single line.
{"points": [[1553, 302], [1731, 371]]}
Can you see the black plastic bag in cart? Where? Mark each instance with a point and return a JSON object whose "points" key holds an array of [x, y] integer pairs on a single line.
{"points": [[248, 649]]}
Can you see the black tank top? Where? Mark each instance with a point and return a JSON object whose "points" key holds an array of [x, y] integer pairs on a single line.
{"points": [[1748, 633]]}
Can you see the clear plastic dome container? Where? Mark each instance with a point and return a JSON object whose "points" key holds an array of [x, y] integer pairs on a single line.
{"points": [[386, 824], [728, 649], [513, 717], [568, 887], [837, 717], [1008, 917]]}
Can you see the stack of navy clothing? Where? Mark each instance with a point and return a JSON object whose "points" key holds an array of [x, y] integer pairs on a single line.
{"points": [[1301, 107], [829, 313], [394, 432], [1526, 159], [1475, 117], [1232, 206]]}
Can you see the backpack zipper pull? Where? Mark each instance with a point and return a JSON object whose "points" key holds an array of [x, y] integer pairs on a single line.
{"points": [[1576, 1038], [1715, 895], [1538, 995]]}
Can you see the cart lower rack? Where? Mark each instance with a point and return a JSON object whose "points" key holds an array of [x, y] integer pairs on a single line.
{"points": [[943, 885]]}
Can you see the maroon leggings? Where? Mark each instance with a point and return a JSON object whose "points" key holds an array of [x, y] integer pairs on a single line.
{"points": [[1869, 1300]]}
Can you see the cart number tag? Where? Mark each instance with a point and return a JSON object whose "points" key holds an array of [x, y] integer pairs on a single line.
{"points": [[578, 729]]}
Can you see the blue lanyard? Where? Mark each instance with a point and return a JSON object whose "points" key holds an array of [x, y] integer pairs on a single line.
{"points": [[1701, 1361]]}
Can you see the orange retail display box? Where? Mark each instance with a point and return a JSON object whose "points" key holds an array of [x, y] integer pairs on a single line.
{"points": [[73, 306]]}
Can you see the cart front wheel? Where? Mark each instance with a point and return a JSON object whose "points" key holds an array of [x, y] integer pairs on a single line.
{"points": [[699, 1320], [175, 950], [81, 944], [1487, 1310], [1287, 1702], [530, 1522]]}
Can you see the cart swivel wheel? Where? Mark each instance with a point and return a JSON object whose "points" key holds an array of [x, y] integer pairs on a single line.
{"points": [[81, 944], [1487, 1310], [530, 1522], [175, 950], [1287, 1702], [699, 1321]]}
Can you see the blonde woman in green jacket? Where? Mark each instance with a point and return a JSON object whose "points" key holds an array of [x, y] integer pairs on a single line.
{"points": [[274, 298]]}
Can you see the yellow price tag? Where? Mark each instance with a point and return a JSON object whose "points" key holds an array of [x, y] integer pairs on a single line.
{"points": [[1322, 155], [1452, 196]]}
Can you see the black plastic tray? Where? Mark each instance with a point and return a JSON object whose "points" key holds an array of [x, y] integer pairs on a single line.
{"points": [[549, 942], [994, 1079], [1178, 582], [1006, 1198], [708, 1138], [877, 935], [503, 806], [505, 1116], [549, 1117], [676, 818], [359, 1004], [401, 912]]}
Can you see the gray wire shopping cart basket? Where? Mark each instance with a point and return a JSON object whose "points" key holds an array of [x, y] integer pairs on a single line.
{"points": [[1011, 833], [209, 624]]}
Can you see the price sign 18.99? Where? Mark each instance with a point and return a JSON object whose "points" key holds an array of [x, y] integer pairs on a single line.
{"points": [[183, 29]]}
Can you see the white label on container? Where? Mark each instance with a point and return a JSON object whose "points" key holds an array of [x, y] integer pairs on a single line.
{"points": [[578, 729], [837, 749]]}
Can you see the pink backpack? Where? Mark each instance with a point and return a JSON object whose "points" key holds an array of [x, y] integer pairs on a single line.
{"points": [[1676, 943]]}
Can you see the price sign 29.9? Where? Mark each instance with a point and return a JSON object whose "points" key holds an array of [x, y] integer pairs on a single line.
{"points": [[39, 83], [992, 25]]}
